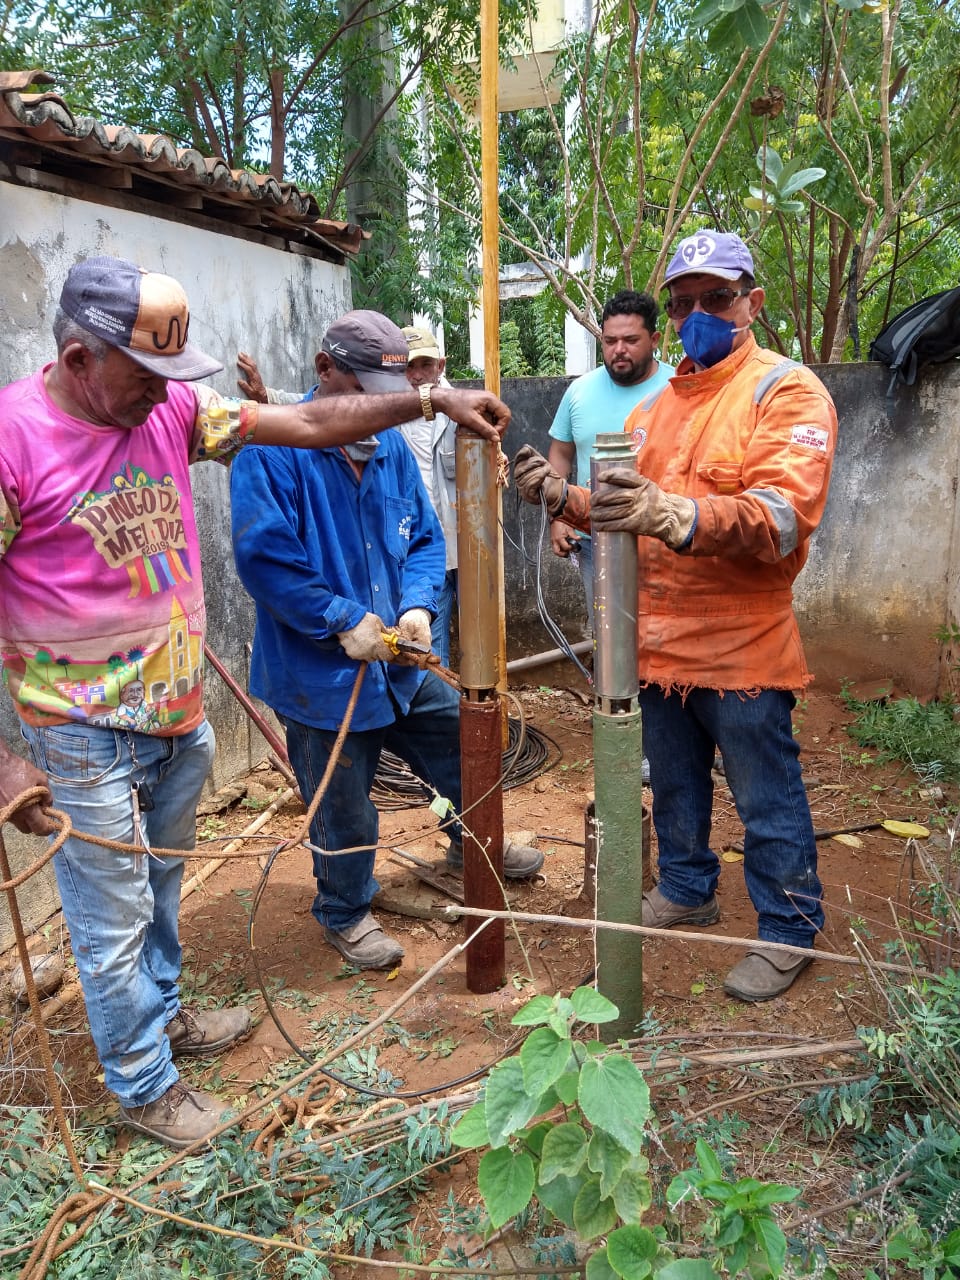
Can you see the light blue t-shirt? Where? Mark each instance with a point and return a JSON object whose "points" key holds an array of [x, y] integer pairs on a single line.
{"points": [[594, 403]]}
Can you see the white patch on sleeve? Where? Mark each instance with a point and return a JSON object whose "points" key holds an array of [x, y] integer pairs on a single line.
{"points": [[810, 437]]}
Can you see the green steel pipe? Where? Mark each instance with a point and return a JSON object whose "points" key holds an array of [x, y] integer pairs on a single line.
{"points": [[617, 765], [617, 756]]}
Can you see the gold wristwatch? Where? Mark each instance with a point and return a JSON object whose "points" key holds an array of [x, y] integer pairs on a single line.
{"points": [[426, 404]]}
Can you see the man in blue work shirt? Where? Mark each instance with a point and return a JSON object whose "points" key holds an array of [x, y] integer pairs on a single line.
{"points": [[337, 547]]}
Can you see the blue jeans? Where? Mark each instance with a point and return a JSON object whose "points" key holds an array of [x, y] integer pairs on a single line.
{"points": [[584, 554], [427, 738], [122, 908], [762, 767], [440, 631]]}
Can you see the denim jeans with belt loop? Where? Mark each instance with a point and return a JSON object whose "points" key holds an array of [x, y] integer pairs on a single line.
{"points": [[440, 629], [122, 908], [427, 738], [761, 762]]}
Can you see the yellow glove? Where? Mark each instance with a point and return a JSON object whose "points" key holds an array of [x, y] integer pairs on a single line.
{"points": [[533, 475], [630, 503]]}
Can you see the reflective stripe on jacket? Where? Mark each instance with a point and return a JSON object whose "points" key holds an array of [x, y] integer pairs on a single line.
{"points": [[752, 441]]}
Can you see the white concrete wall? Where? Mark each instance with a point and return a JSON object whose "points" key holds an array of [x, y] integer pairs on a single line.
{"points": [[272, 303], [243, 295], [882, 575]]}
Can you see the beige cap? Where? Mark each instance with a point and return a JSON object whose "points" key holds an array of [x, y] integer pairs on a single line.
{"points": [[421, 343]]}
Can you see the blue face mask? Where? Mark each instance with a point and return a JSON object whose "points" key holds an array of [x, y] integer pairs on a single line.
{"points": [[707, 339]]}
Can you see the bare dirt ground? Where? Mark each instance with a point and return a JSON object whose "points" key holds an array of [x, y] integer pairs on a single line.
{"points": [[682, 982], [447, 1032]]}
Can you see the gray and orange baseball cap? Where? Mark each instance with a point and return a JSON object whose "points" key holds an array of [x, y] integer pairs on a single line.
{"points": [[372, 347], [143, 313]]}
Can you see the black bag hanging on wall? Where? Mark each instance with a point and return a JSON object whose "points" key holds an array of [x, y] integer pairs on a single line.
{"points": [[926, 333]]}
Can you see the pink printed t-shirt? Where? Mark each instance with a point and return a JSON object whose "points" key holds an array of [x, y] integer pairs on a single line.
{"points": [[101, 601]]}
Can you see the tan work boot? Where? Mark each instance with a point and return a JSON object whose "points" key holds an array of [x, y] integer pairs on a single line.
{"points": [[763, 974], [365, 945], [179, 1117], [520, 861], [197, 1032], [658, 912]]}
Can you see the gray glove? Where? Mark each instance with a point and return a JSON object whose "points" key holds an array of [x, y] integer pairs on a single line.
{"points": [[365, 642], [630, 503], [414, 625], [533, 475]]}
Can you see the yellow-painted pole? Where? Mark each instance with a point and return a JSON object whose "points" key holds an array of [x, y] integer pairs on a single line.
{"points": [[490, 187], [490, 242]]}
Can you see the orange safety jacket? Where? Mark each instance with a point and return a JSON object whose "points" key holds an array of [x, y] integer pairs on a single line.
{"points": [[751, 440]]}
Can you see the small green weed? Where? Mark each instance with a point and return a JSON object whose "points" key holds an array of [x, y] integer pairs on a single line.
{"points": [[210, 828], [325, 1198], [588, 1168], [926, 736]]}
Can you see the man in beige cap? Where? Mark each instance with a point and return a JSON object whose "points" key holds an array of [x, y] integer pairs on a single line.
{"points": [[433, 441]]}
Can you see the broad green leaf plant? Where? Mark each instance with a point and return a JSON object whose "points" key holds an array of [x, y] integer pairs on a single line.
{"points": [[566, 1120], [781, 183]]}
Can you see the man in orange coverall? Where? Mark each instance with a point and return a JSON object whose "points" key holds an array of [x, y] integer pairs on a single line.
{"points": [[733, 464]]}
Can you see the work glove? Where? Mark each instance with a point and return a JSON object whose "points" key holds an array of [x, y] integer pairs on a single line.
{"points": [[630, 503], [414, 625], [533, 476], [365, 642]]}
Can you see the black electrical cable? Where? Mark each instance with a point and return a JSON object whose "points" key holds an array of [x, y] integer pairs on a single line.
{"points": [[396, 787], [551, 626]]}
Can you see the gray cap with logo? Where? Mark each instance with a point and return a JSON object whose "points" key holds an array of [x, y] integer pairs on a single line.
{"points": [[372, 347]]}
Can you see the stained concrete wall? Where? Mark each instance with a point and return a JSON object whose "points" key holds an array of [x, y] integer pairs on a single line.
{"points": [[243, 295]]}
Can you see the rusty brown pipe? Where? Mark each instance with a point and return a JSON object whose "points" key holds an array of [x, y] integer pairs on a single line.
{"points": [[275, 742], [481, 711]]}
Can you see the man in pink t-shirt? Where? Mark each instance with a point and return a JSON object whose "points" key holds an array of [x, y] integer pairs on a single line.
{"points": [[101, 634]]}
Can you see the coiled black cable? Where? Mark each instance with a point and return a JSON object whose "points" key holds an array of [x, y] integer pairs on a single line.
{"points": [[395, 787]]}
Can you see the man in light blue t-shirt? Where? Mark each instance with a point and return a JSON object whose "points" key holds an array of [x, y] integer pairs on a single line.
{"points": [[600, 401]]}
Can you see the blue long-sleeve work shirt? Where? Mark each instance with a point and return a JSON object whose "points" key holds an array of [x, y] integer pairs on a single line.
{"points": [[317, 549]]}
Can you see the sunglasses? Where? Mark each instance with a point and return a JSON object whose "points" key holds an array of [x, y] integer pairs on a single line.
{"points": [[714, 301]]}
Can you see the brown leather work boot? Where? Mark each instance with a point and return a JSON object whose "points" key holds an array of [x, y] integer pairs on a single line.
{"points": [[764, 974], [520, 861], [197, 1032], [365, 945], [179, 1117], [660, 912]]}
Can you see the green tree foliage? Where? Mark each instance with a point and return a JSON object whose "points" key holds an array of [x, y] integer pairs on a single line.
{"points": [[825, 131], [827, 134]]}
